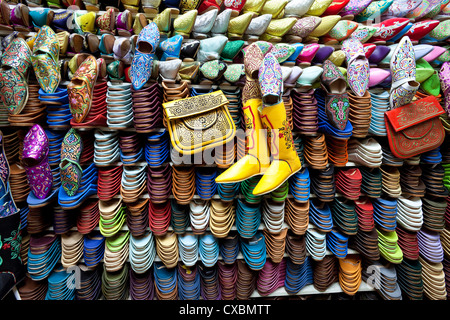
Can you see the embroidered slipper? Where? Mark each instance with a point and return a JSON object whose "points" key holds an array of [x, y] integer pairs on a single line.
{"points": [[14, 63], [35, 161], [403, 69], [170, 48], [141, 66], [337, 106], [81, 87], [444, 76], [70, 169], [357, 66], [45, 59]]}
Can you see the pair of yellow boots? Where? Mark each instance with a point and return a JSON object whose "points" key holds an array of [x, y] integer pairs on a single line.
{"points": [[267, 128]]}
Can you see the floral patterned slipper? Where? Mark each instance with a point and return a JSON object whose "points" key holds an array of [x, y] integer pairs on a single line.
{"points": [[70, 169], [14, 74], [357, 66]]}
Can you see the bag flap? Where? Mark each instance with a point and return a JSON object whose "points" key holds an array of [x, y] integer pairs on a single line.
{"points": [[414, 113], [194, 105]]}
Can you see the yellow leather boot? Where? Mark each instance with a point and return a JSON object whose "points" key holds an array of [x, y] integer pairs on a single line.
{"points": [[285, 160], [257, 159]]}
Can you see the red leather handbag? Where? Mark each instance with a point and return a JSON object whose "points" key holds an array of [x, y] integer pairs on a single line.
{"points": [[415, 128]]}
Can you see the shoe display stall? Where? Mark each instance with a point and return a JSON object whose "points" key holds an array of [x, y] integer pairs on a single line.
{"points": [[225, 150]]}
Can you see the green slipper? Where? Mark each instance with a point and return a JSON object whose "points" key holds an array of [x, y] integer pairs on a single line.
{"points": [[432, 85], [231, 50], [423, 70]]}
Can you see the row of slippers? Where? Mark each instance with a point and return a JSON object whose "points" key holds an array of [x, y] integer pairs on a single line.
{"points": [[266, 22], [318, 271]]}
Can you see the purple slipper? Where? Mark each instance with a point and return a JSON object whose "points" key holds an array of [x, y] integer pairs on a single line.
{"points": [[379, 54], [35, 160]]}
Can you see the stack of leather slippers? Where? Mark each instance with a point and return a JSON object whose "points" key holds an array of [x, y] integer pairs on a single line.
{"points": [[57, 285], [367, 152], [433, 280], [337, 243], [385, 213], [159, 183], [72, 248], [391, 181], [247, 186], [115, 285], [222, 218], [57, 107], [344, 216], [37, 221], [225, 155], [273, 215], [248, 219], [305, 112], [167, 249], [112, 216], [55, 140], [316, 244], [337, 151], [159, 217], [131, 149], [271, 277], [157, 148], [254, 251], [117, 249], [296, 216], [372, 183], [189, 249], [205, 184], [142, 252], [179, 220], [409, 213], [234, 98], [431, 157], [389, 158], [364, 211], [295, 247], [137, 217], [430, 247], [432, 177], [208, 250], [360, 113], [348, 183], [275, 245], [133, 183], [410, 181], [350, 274], [90, 283], [386, 281], [366, 243], [380, 104], [320, 215], [109, 182], [183, 184], [389, 248], [409, 278], [106, 148], [199, 215], [43, 255], [246, 281], [87, 154], [166, 286], [299, 185], [227, 191], [119, 106], [325, 273], [315, 152], [33, 290], [229, 248], [88, 216], [281, 193], [142, 285], [97, 115], [11, 144], [209, 282], [227, 280], [20, 189], [62, 221], [93, 249], [188, 281], [434, 213], [408, 243], [147, 108], [323, 184]]}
